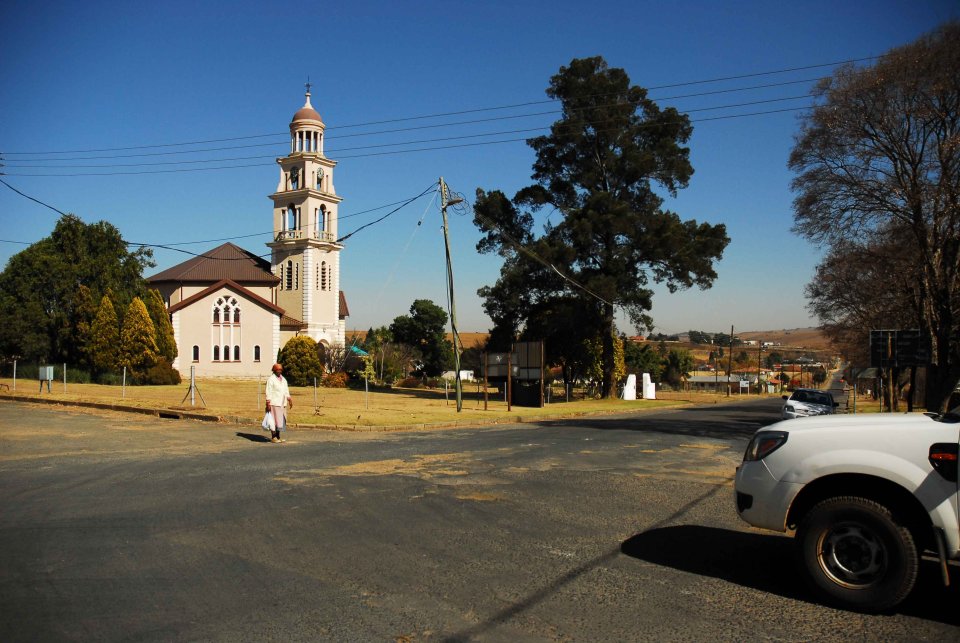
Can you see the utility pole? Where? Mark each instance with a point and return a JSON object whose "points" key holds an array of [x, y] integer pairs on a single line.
{"points": [[730, 361], [445, 201], [759, 363]]}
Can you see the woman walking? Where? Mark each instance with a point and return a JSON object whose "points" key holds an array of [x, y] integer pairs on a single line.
{"points": [[278, 401]]}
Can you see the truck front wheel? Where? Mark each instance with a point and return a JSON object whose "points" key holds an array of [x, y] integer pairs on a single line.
{"points": [[856, 555]]}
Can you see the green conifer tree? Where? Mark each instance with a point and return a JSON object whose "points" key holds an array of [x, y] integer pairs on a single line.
{"points": [[104, 338], [138, 343], [166, 344]]}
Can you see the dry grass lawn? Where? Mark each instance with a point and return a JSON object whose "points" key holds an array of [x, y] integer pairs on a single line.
{"points": [[342, 408]]}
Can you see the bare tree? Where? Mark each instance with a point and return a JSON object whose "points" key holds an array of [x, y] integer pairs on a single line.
{"points": [[878, 162]]}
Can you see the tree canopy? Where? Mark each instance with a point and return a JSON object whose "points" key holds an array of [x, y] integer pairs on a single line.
{"points": [[301, 361], [47, 290], [596, 172], [878, 184], [423, 329]]}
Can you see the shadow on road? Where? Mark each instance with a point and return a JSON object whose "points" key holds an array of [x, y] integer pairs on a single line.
{"points": [[253, 437], [765, 562], [739, 421]]}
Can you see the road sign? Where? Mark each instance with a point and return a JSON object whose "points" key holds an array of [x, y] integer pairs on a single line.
{"points": [[898, 348]]}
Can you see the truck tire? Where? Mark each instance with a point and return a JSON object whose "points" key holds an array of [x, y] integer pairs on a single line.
{"points": [[856, 555]]}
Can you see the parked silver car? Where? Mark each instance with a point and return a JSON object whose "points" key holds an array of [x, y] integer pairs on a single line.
{"points": [[804, 402]]}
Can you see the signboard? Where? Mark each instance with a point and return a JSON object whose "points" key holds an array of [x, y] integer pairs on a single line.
{"points": [[898, 348], [46, 373], [528, 356], [496, 364]]}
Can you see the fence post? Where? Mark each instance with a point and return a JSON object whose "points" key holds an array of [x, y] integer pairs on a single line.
{"points": [[64, 377], [14, 375], [123, 389]]}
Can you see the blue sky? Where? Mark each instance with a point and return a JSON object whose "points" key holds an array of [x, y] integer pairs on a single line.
{"points": [[107, 75]]}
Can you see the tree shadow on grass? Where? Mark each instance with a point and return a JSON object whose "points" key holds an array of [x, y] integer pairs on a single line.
{"points": [[765, 562]]}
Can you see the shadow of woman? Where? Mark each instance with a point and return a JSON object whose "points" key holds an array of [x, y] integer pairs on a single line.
{"points": [[253, 437]]}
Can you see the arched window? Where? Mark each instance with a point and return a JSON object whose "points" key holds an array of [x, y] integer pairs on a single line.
{"points": [[236, 315], [216, 353], [216, 315], [196, 353], [236, 353], [226, 314], [256, 353], [226, 353], [295, 178], [289, 275], [323, 217], [291, 218]]}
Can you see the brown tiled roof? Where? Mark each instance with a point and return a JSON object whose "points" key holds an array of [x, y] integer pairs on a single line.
{"points": [[344, 311], [288, 322], [223, 262], [233, 286]]}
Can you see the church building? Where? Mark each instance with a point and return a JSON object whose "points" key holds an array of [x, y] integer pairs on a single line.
{"points": [[231, 310]]}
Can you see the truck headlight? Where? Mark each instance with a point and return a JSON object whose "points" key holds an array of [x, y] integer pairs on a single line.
{"points": [[763, 444]]}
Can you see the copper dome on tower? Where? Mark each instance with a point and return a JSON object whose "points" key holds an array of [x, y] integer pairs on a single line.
{"points": [[307, 112]]}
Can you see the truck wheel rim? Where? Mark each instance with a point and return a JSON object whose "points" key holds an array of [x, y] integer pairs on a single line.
{"points": [[852, 555]]}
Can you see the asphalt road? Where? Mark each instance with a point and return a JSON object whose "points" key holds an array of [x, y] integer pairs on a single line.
{"points": [[611, 529]]}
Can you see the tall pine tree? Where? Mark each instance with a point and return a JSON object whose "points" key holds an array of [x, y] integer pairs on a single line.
{"points": [[102, 349], [166, 344], [138, 344]]}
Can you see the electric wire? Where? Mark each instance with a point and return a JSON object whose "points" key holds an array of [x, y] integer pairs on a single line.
{"points": [[363, 155], [18, 162], [406, 248], [381, 145], [461, 112], [172, 246]]}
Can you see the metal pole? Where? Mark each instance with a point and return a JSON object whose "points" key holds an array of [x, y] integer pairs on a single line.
{"points": [[444, 202], [14, 375], [730, 361], [509, 379], [193, 385], [64, 377], [486, 367], [759, 362], [123, 386]]}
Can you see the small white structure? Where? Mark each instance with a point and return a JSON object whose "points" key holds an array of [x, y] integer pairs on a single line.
{"points": [[630, 388], [649, 388]]}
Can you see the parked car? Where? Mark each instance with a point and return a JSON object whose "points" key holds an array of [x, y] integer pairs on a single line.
{"points": [[867, 495], [804, 402]]}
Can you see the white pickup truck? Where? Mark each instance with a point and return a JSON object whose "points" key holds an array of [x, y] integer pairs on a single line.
{"points": [[867, 495]]}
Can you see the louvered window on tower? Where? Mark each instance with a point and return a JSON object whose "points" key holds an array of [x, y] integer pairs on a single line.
{"points": [[289, 275]]}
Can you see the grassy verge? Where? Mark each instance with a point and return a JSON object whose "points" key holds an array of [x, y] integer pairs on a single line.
{"points": [[342, 408]]}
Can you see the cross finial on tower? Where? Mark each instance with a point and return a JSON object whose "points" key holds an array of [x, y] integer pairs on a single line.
{"points": [[307, 85]]}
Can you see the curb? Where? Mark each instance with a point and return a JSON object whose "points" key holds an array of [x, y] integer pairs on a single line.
{"points": [[173, 414], [168, 414]]}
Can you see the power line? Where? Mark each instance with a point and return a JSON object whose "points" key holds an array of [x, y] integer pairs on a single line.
{"points": [[376, 133], [172, 246], [370, 154], [380, 145], [456, 113]]}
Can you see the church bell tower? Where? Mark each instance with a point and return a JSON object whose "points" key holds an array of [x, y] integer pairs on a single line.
{"points": [[305, 253]]}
